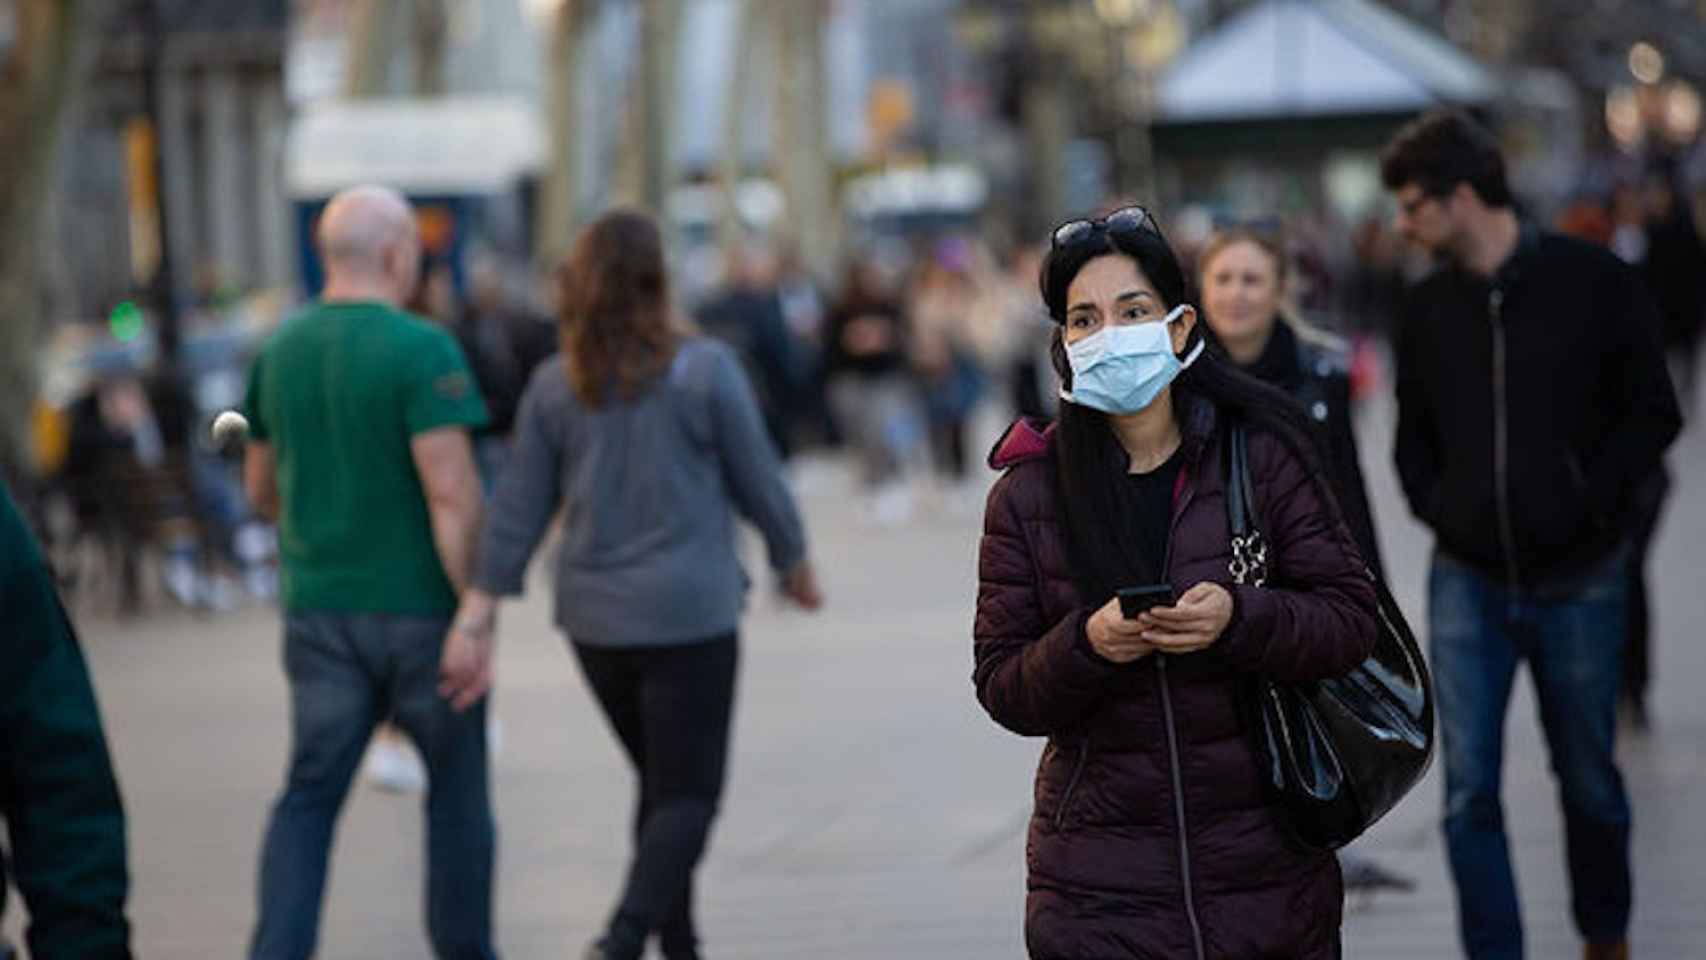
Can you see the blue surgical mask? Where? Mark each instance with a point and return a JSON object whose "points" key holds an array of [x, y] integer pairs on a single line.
{"points": [[1122, 368]]}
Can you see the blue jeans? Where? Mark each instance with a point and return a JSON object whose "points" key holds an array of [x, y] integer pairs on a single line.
{"points": [[1572, 640], [347, 672]]}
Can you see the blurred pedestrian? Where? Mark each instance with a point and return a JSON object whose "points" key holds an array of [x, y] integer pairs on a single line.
{"points": [[654, 442], [1586, 220], [127, 471], [870, 388], [747, 314], [1532, 401], [807, 315], [359, 417], [504, 340], [1030, 381], [1126, 490], [940, 344], [59, 803], [1243, 283], [1675, 268]]}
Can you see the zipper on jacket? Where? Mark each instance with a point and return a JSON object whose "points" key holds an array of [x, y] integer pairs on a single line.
{"points": [[1173, 762], [1179, 807], [1072, 783], [1501, 435]]}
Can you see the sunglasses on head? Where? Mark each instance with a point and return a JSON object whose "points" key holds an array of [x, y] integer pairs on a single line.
{"points": [[1125, 220]]}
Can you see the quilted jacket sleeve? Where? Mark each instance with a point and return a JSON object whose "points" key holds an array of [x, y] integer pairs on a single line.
{"points": [[1321, 618], [1034, 677]]}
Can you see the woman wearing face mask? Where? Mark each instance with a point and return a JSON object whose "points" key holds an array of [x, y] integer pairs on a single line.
{"points": [[1243, 283], [1151, 836]]}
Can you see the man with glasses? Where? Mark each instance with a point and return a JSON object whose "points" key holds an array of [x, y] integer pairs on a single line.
{"points": [[1532, 401]]}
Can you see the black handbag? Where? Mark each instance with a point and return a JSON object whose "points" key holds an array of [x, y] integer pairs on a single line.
{"points": [[1337, 753]]}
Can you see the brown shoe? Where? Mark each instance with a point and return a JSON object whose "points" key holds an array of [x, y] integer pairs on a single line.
{"points": [[1606, 951]]}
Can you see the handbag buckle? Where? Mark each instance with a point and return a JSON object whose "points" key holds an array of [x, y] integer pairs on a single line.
{"points": [[1249, 560]]}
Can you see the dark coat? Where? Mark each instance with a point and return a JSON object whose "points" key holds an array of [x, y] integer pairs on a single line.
{"points": [[1151, 836], [1316, 371], [58, 799]]}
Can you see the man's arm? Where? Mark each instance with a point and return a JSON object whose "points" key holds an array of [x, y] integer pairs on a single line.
{"points": [[58, 797], [1649, 418], [1414, 449], [444, 458], [260, 479]]}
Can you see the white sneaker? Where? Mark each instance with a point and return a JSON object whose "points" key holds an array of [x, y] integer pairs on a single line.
{"points": [[891, 505], [261, 581], [181, 580], [393, 767]]}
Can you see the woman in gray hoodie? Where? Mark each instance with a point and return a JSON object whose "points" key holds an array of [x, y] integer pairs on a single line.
{"points": [[653, 442]]}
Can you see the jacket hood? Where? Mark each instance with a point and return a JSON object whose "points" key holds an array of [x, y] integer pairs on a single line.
{"points": [[1024, 439]]}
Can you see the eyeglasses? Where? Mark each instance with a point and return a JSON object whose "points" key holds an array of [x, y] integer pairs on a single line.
{"points": [[1414, 205], [1125, 220]]}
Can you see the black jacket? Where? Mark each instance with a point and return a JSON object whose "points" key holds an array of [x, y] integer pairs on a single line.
{"points": [[1317, 374], [1530, 406]]}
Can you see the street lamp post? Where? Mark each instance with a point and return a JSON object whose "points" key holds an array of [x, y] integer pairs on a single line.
{"points": [[161, 294]]}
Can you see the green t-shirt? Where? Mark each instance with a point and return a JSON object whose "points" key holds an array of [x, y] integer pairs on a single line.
{"points": [[338, 392]]}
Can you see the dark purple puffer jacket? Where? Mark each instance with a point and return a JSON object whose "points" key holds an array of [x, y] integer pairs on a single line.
{"points": [[1150, 836]]}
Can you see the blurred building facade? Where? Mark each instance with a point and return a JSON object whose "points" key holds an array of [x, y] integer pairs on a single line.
{"points": [[217, 122]]}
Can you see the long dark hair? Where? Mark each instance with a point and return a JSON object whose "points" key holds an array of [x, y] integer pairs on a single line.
{"points": [[1091, 464], [614, 322]]}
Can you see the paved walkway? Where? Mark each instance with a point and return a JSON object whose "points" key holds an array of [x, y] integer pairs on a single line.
{"points": [[873, 812]]}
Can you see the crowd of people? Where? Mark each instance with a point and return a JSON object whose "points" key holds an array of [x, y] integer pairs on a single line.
{"points": [[892, 362], [414, 451]]}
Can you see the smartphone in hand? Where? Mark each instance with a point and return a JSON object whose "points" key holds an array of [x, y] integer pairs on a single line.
{"points": [[1135, 600]]}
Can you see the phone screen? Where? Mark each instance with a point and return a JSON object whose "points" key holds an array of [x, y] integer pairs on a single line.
{"points": [[1135, 600]]}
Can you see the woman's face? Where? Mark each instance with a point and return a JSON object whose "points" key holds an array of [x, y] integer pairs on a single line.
{"points": [[1111, 291], [1241, 292]]}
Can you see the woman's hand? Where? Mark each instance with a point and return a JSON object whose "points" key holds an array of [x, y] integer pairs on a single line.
{"points": [[1114, 637], [465, 667], [1192, 624], [800, 586]]}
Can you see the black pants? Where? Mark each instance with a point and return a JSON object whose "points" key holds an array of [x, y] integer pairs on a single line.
{"points": [[1650, 499], [670, 707]]}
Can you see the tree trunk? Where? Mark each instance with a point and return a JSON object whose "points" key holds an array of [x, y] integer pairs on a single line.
{"points": [[50, 60], [1046, 113], [432, 36], [643, 170], [802, 147], [371, 41], [732, 164], [557, 212], [657, 71]]}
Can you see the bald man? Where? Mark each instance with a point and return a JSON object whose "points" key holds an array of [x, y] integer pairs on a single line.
{"points": [[359, 421]]}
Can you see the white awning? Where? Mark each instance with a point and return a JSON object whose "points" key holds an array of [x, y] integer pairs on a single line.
{"points": [[441, 145], [1314, 58]]}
